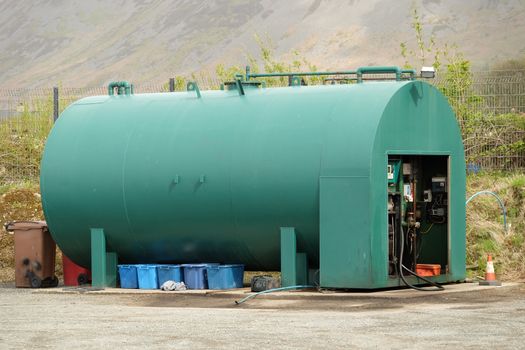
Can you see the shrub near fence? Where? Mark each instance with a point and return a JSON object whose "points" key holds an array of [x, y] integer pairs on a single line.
{"points": [[491, 113], [490, 110], [24, 124]]}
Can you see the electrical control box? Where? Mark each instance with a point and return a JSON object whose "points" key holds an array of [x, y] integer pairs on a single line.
{"points": [[393, 171], [407, 193], [438, 212], [407, 168], [427, 196], [439, 184]]}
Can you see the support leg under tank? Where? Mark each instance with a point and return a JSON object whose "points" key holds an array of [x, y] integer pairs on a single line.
{"points": [[294, 266], [103, 263]]}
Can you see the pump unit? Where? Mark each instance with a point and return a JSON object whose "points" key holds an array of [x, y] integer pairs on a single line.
{"points": [[338, 183]]}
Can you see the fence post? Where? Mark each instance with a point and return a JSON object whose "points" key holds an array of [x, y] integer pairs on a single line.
{"points": [[172, 84], [55, 104]]}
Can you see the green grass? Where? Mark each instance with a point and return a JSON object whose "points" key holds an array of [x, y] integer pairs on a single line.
{"points": [[22, 140], [485, 232]]}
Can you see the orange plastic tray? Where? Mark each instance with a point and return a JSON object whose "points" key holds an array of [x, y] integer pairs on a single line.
{"points": [[428, 269]]}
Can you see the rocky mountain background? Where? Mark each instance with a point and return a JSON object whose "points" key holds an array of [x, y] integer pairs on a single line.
{"points": [[88, 43]]}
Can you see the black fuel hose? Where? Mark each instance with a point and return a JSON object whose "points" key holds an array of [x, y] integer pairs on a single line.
{"points": [[401, 267]]}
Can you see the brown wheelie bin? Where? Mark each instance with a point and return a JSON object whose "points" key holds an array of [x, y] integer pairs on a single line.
{"points": [[34, 254]]}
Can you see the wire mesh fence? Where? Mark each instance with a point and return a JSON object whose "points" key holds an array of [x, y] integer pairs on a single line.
{"points": [[490, 108]]}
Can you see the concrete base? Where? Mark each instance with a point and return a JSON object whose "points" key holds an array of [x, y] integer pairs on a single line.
{"points": [[309, 294]]}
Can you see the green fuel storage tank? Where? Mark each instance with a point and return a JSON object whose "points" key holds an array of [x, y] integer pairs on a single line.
{"points": [[213, 176]]}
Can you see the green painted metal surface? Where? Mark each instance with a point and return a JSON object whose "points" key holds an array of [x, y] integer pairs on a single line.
{"points": [[103, 263], [345, 231], [173, 177], [98, 261], [301, 269], [294, 265], [288, 257], [111, 269]]}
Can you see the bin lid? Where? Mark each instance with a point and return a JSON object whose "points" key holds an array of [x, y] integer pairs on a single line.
{"points": [[25, 225], [197, 266], [168, 266]]}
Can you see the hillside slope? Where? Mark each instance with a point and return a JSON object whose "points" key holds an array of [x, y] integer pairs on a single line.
{"points": [[81, 43]]}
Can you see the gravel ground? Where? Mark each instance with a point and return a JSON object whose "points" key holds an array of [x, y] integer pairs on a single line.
{"points": [[493, 318]]}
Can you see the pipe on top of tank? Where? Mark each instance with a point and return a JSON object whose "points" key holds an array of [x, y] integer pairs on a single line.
{"points": [[358, 73], [123, 87], [378, 70]]}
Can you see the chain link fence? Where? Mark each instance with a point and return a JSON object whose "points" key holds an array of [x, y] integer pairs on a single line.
{"points": [[490, 108]]}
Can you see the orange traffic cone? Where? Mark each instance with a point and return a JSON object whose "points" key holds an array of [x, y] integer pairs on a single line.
{"points": [[490, 275]]}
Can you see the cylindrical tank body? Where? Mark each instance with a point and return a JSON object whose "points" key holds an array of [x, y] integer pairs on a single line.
{"points": [[171, 177]]}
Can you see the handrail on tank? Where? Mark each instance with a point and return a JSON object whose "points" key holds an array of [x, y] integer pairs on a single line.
{"points": [[384, 70], [123, 87], [358, 73]]}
